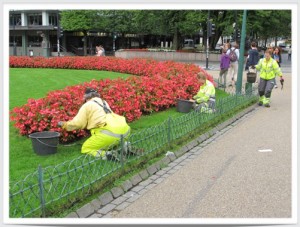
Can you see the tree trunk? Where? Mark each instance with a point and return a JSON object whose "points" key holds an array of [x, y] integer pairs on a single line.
{"points": [[85, 44], [176, 39]]}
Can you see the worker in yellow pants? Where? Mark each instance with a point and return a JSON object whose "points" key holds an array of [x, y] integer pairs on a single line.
{"points": [[105, 126], [205, 99]]}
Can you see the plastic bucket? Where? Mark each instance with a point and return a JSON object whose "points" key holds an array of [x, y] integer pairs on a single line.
{"points": [[45, 143], [251, 77], [184, 106]]}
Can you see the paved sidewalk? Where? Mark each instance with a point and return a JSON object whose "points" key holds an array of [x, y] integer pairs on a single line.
{"points": [[245, 173]]}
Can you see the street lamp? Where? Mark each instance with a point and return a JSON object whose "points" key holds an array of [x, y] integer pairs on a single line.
{"points": [[114, 41], [58, 33]]}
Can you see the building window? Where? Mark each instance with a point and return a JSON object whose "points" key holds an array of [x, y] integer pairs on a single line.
{"points": [[17, 40], [34, 41], [15, 20], [53, 19], [35, 19]]}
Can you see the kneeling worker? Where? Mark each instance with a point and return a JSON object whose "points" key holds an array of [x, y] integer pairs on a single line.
{"points": [[93, 116], [204, 100]]}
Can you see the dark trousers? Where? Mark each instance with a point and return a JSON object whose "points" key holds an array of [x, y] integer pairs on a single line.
{"points": [[265, 87]]}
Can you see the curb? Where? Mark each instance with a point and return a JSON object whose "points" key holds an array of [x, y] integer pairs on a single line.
{"points": [[118, 198]]}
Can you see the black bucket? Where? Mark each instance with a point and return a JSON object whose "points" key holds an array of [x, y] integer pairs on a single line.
{"points": [[184, 106], [45, 143], [251, 77]]}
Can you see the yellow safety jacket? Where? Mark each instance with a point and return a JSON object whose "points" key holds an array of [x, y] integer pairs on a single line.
{"points": [[268, 69], [88, 117], [106, 128], [207, 90]]}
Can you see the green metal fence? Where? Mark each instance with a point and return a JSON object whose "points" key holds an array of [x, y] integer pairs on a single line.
{"points": [[48, 188]]}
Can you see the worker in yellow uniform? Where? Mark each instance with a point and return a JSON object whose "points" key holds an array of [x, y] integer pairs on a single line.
{"points": [[205, 99], [93, 115], [269, 69]]}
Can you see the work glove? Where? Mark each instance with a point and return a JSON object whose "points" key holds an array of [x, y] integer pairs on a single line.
{"points": [[252, 66], [60, 123], [281, 82]]}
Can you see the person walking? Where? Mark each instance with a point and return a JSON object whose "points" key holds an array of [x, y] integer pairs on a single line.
{"points": [[93, 115], [290, 53], [100, 51], [269, 69], [234, 55], [224, 66], [252, 59], [204, 100], [253, 56], [277, 57]]}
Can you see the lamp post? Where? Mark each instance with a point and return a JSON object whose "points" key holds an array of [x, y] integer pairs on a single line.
{"points": [[58, 34], [241, 58], [207, 39]]}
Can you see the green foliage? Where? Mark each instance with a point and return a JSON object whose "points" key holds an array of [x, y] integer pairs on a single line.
{"points": [[179, 23], [78, 20]]}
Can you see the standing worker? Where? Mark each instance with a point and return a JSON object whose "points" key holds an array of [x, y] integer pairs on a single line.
{"points": [[204, 100], [93, 115], [269, 69]]}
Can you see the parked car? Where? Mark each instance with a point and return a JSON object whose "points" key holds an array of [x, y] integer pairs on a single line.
{"points": [[189, 43]]}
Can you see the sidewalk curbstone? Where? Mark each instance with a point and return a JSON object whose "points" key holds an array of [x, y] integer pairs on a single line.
{"points": [[106, 198], [171, 156], [165, 160], [106, 209], [72, 215], [180, 152], [154, 177], [136, 179], [146, 182], [152, 169], [122, 206], [119, 200], [117, 191], [126, 185], [85, 211], [144, 174], [137, 188], [96, 203]]}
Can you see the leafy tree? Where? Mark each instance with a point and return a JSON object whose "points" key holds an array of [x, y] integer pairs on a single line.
{"points": [[178, 24], [79, 20]]}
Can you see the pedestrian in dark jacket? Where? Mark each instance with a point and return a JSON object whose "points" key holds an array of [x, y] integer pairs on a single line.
{"points": [[253, 56], [277, 57]]}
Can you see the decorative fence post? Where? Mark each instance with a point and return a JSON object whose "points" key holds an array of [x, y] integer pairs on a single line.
{"points": [[169, 131], [42, 198], [122, 150]]}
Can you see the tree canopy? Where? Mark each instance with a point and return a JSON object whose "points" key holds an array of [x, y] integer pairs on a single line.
{"points": [[179, 24]]}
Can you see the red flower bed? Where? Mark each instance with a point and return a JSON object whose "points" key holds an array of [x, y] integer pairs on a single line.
{"points": [[159, 87]]}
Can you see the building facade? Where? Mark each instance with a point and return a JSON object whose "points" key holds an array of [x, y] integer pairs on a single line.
{"points": [[33, 32]]}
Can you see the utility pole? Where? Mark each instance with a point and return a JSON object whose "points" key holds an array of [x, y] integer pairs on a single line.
{"points": [[207, 39], [241, 58], [236, 27]]}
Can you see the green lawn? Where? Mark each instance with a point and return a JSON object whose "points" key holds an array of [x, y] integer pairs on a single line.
{"points": [[36, 83]]}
